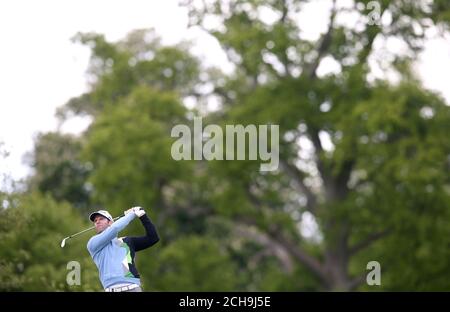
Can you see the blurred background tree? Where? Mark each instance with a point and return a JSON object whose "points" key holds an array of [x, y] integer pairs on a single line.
{"points": [[364, 162], [58, 170]]}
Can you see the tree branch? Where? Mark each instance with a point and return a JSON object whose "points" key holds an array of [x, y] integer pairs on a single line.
{"points": [[284, 11], [294, 173], [243, 230], [294, 250], [343, 177], [372, 31], [325, 43], [284, 59], [314, 135], [357, 281], [302, 256], [326, 177], [368, 241]]}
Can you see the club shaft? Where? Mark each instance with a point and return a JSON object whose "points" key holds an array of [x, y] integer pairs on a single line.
{"points": [[91, 228]]}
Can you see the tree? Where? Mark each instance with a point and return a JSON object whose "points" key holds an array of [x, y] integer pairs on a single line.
{"points": [[58, 169], [181, 266], [139, 59], [383, 176], [31, 229], [365, 159], [129, 141]]}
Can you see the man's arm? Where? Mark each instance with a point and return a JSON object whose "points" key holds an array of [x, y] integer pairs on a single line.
{"points": [[151, 237], [100, 240]]}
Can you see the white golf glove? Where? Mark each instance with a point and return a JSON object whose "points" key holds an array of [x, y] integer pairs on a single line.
{"points": [[131, 210], [138, 211]]}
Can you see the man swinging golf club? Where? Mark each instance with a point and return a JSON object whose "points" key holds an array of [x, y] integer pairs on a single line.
{"points": [[115, 257]]}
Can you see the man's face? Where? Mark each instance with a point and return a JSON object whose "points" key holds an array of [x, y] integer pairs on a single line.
{"points": [[101, 223]]}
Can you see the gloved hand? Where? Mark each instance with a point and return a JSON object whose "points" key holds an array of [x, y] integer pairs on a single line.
{"points": [[131, 210], [138, 211]]}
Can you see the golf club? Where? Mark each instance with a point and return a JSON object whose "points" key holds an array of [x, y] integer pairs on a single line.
{"points": [[63, 243]]}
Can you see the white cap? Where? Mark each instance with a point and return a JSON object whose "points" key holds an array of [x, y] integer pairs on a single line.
{"points": [[103, 213]]}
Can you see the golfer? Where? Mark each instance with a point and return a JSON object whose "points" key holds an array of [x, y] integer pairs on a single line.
{"points": [[115, 257]]}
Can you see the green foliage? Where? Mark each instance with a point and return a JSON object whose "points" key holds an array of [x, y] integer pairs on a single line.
{"points": [[137, 60], [58, 169], [31, 230], [192, 264], [387, 171], [129, 145], [367, 160]]}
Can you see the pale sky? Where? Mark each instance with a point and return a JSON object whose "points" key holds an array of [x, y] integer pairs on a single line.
{"points": [[41, 69]]}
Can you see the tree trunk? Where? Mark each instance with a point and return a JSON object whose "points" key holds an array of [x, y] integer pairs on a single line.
{"points": [[336, 266]]}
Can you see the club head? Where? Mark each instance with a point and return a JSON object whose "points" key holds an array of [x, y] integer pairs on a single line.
{"points": [[63, 243]]}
